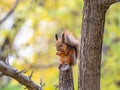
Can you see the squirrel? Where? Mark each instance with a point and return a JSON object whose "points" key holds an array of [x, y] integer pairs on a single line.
{"points": [[67, 48]]}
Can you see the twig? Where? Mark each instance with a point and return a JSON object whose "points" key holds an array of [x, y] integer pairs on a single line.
{"points": [[10, 12], [22, 71], [56, 86], [41, 84], [30, 75]]}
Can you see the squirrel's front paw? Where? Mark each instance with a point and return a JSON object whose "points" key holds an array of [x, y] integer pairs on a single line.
{"points": [[58, 53]]}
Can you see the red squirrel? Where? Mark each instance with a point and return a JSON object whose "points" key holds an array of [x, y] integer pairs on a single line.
{"points": [[67, 48]]}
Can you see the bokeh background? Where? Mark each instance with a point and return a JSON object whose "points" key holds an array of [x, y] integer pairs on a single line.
{"points": [[27, 36]]}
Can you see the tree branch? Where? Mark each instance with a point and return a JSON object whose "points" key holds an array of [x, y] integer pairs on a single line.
{"points": [[20, 77], [109, 2], [10, 12]]}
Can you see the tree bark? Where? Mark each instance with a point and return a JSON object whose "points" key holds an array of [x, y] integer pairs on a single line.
{"points": [[91, 43], [19, 76], [66, 79]]}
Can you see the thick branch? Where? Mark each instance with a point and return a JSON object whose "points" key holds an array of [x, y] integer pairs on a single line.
{"points": [[19, 76], [10, 12], [109, 2]]}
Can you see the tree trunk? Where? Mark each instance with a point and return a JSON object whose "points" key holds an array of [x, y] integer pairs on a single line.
{"points": [[66, 79], [91, 45]]}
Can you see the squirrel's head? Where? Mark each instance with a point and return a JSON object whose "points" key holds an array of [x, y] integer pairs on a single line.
{"points": [[60, 45]]}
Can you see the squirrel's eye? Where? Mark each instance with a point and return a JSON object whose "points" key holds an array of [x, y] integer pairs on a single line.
{"points": [[61, 45]]}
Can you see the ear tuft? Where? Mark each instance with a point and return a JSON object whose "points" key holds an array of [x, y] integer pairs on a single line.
{"points": [[56, 36], [63, 37]]}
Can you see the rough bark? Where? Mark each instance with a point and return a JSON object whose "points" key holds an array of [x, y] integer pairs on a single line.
{"points": [[66, 80], [19, 76], [91, 43]]}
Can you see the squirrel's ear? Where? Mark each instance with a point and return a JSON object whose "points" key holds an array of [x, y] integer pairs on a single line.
{"points": [[56, 36], [63, 37]]}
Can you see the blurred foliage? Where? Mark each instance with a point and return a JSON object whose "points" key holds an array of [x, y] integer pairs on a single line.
{"points": [[110, 78], [12, 87], [31, 29]]}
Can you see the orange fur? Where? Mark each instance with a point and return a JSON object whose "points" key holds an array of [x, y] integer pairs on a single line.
{"points": [[67, 47]]}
